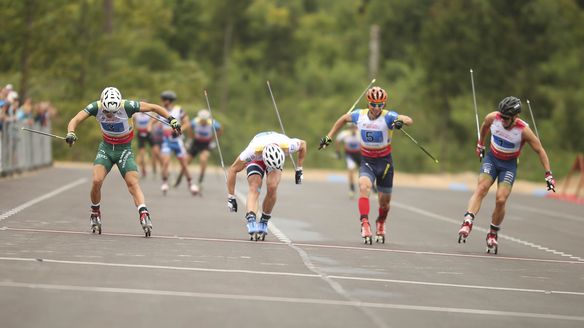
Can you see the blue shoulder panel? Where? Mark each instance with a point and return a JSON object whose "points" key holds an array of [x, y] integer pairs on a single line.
{"points": [[389, 118]]}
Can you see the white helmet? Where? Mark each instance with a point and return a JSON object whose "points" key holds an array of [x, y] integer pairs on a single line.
{"points": [[204, 114], [273, 156], [111, 99]]}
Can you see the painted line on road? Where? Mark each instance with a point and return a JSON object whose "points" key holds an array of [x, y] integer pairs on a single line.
{"points": [[286, 274], [502, 236], [354, 248], [550, 213], [322, 275], [41, 198], [294, 300]]}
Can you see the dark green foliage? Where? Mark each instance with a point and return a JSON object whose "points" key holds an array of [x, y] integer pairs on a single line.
{"points": [[315, 53]]}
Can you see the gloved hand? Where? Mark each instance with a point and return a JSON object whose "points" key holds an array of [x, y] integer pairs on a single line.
{"points": [[175, 125], [299, 175], [70, 138], [324, 141], [480, 150], [551, 182], [232, 203], [398, 124], [338, 154]]}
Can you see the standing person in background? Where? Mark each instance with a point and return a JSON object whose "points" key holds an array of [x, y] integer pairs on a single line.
{"points": [[202, 128], [350, 141], [143, 126], [173, 143], [113, 114], [508, 134], [375, 128]]}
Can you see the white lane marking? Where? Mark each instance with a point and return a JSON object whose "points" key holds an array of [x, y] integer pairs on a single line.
{"points": [[355, 248], [296, 300], [439, 284], [41, 198], [308, 263], [158, 267], [286, 274], [502, 236], [550, 213]]}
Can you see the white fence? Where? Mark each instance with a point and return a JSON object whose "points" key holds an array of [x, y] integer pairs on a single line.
{"points": [[21, 150]]}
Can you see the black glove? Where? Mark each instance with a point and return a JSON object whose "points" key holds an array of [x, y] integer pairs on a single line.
{"points": [[232, 203], [398, 124], [299, 176], [70, 138], [551, 182], [175, 125], [324, 141]]}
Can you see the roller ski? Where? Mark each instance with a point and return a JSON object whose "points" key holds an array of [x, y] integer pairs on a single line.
{"points": [[252, 227], [164, 188], [492, 243], [262, 230], [95, 221], [366, 231], [146, 223], [465, 228], [380, 231], [194, 189]]}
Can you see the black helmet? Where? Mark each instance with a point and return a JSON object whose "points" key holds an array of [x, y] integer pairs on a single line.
{"points": [[168, 95], [510, 106]]}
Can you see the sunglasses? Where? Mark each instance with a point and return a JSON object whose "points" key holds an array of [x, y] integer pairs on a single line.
{"points": [[506, 118], [380, 105]]}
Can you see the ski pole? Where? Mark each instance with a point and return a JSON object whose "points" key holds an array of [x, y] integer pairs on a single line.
{"points": [[156, 118], [43, 133], [361, 96], [532, 119], [474, 97], [421, 147], [279, 119], [216, 138]]}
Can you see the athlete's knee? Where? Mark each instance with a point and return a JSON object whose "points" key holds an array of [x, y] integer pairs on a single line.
{"points": [[272, 187], [501, 200], [364, 187]]}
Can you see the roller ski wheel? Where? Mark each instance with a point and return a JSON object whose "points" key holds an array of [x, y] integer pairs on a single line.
{"points": [[262, 230], [492, 243], [380, 231], [95, 221], [146, 223], [252, 230], [164, 189], [366, 232], [464, 231]]}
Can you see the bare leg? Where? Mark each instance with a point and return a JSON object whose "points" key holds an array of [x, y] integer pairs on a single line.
{"points": [[184, 167], [165, 165], [254, 182], [131, 179], [156, 158], [142, 161], [273, 180], [99, 174], [364, 187], [203, 158], [503, 192], [483, 186]]}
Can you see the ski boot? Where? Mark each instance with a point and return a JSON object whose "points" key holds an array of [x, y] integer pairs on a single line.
{"points": [[251, 226], [262, 228], [466, 227], [366, 231], [380, 231], [146, 222], [95, 221], [492, 243], [164, 188]]}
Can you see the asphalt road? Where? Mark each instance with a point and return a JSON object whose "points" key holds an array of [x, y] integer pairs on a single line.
{"points": [[200, 269]]}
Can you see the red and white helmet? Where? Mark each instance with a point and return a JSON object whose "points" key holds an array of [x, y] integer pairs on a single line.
{"points": [[376, 95], [111, 99], [273, 156]]}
